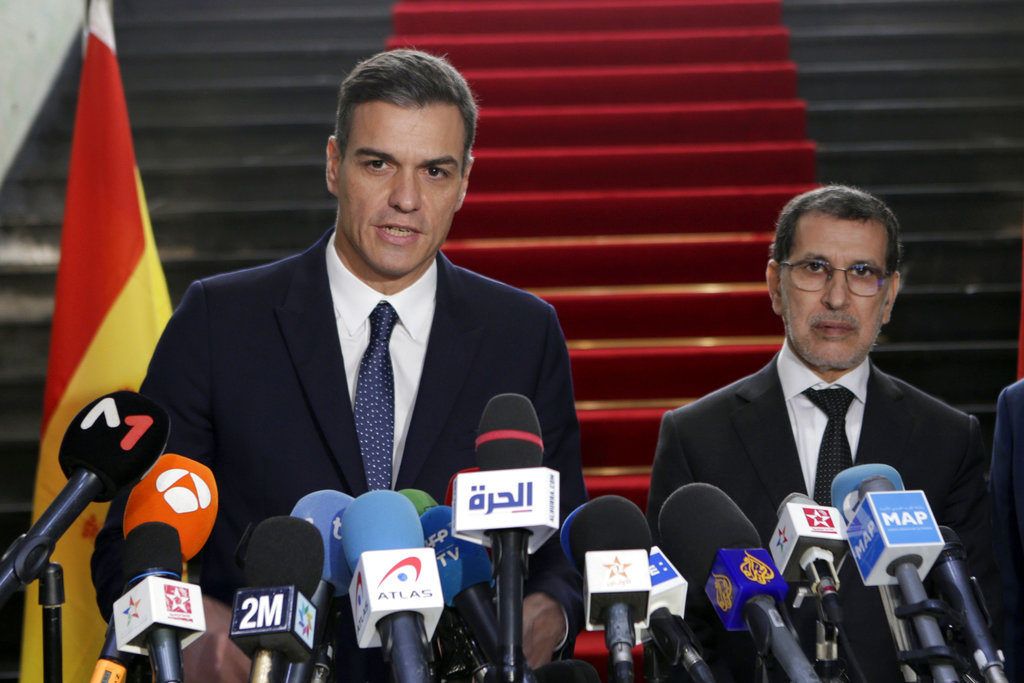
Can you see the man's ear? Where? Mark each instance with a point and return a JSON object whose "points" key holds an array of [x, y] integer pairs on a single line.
{"points": [[332, 170], [892, 288], [773, 276]]}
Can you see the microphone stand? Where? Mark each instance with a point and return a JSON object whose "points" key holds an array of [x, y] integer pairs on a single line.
{"points": [[51, 597]]}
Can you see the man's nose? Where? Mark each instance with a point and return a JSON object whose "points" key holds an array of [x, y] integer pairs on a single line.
{"points": [[405, 192], [836, 293]]}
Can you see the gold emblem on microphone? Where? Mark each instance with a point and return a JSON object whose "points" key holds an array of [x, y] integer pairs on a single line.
{"points": [[723, 591], [756, 570]]}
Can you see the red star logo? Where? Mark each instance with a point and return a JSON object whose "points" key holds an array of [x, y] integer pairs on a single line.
{"points": [[177, 600], [819, 519]]}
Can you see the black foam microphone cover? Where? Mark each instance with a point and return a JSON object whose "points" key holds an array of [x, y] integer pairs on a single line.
{"points": [[509, 434], [696, 522], [608, 523], [151, 548], [567, 671], [117, 437], [284, 551]]}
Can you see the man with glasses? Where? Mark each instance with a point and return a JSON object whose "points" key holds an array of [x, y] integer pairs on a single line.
{"points": [[819, 407]]}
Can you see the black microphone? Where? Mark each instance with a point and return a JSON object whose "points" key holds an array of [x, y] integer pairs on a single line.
{"points": [[273, 620], [567, 671], [962, 592], [108, 446], [509, 437], [714, 544], [610, 542]]}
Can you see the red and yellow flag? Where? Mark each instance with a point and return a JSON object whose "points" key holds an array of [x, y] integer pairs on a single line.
{"points": [[110, 307]]}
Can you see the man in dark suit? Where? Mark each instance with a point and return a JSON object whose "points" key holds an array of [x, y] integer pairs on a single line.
{"points": [[364, 362], [1007, 479], [833, 278]]}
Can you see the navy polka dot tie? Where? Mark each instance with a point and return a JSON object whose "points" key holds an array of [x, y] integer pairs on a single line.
{"points": [[834, 454], [375, 400]]}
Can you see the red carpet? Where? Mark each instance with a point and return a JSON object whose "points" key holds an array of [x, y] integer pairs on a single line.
{"points": [[631, 159]]}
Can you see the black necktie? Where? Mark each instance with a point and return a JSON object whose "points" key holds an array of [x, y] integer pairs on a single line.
{"points": [[834, 455], [375, 400]]}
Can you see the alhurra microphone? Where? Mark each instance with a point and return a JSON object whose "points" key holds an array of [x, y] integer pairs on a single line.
{"points": [[962, 592], [158, 615], [273, 615], [710, 539], [894, 539], [181, 493], [610, 541], [324, 510], [512, 504], [396, 591], [108, 446]]}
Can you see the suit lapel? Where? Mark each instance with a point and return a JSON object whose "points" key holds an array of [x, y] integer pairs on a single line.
{"points": [[763, 426], [887, 426], [307, 322], [454, 339]]}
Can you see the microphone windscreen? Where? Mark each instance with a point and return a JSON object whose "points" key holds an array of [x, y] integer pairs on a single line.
{"points": [[178, 491], [567, 671], [801, 498], [117, 437], [608, 523], [460, 563], [948, 535], [379, 520], [449, 493], [151, 546], [509, 434], [566, 531], [695, 523], [421, 500], [325, 510], [849, 480], [284, 551]]}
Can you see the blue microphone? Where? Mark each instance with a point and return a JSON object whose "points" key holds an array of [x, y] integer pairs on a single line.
{"points": [[395, 594], [566, 533], [324, 509], [845, 495]]}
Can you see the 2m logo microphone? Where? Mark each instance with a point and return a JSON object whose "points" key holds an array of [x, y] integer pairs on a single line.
{"points": [[275, 617]]}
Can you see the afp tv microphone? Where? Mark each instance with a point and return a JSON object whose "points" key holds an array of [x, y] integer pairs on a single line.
{"points": [[712, 542], [108, 446]]}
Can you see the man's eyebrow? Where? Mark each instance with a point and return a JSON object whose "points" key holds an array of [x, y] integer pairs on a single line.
{"points": [[820, 257], [446, 160], [370, 152]]}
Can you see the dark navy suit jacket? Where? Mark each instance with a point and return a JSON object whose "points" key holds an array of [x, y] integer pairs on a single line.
{"points": [[250, 371], [739, 438], [1007, 482]]}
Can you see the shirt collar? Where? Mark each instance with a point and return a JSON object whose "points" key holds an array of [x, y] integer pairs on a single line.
{"points": [[796, 377], [354, 300]]}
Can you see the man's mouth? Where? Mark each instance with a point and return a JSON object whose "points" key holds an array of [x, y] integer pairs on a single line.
{"points": [[397, 230]]}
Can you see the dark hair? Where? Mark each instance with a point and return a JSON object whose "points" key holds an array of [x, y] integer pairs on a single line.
{"points": [[845, 203], [405, 78]]}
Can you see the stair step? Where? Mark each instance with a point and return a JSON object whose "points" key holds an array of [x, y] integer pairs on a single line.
{"points": [[928, 161], [611, 48], [887, 80], [817, 13], [967, 40], [973, 313], [967, 258], [997, 206], [578, 15], [965, 119]]}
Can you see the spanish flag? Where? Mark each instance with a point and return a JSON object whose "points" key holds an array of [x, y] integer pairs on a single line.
{"points": [[110, 307]]}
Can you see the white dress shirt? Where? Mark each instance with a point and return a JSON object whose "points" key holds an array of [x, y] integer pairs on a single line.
{"points": [[354, 300], [806, 419]]}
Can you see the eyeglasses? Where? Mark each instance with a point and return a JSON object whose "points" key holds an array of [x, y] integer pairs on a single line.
{"points": [[813, 274]]}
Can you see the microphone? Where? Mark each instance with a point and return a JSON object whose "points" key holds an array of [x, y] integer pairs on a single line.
{"points": [[961, 590], [449, 492], [158, 615], [108, 446], [511, 505], [324, 510], [421, 500], [668, 641], [396, 590], [181, 493], [894, 540], [465, 572], [272, 619], [609, 539], [709, 538], [567, 671]]}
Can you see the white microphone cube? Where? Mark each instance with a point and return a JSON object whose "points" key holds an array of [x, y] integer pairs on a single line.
{"points": [[526, 498], [390, 581], [889, 525], [158, 601], [802, 526], [616, 576]]}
